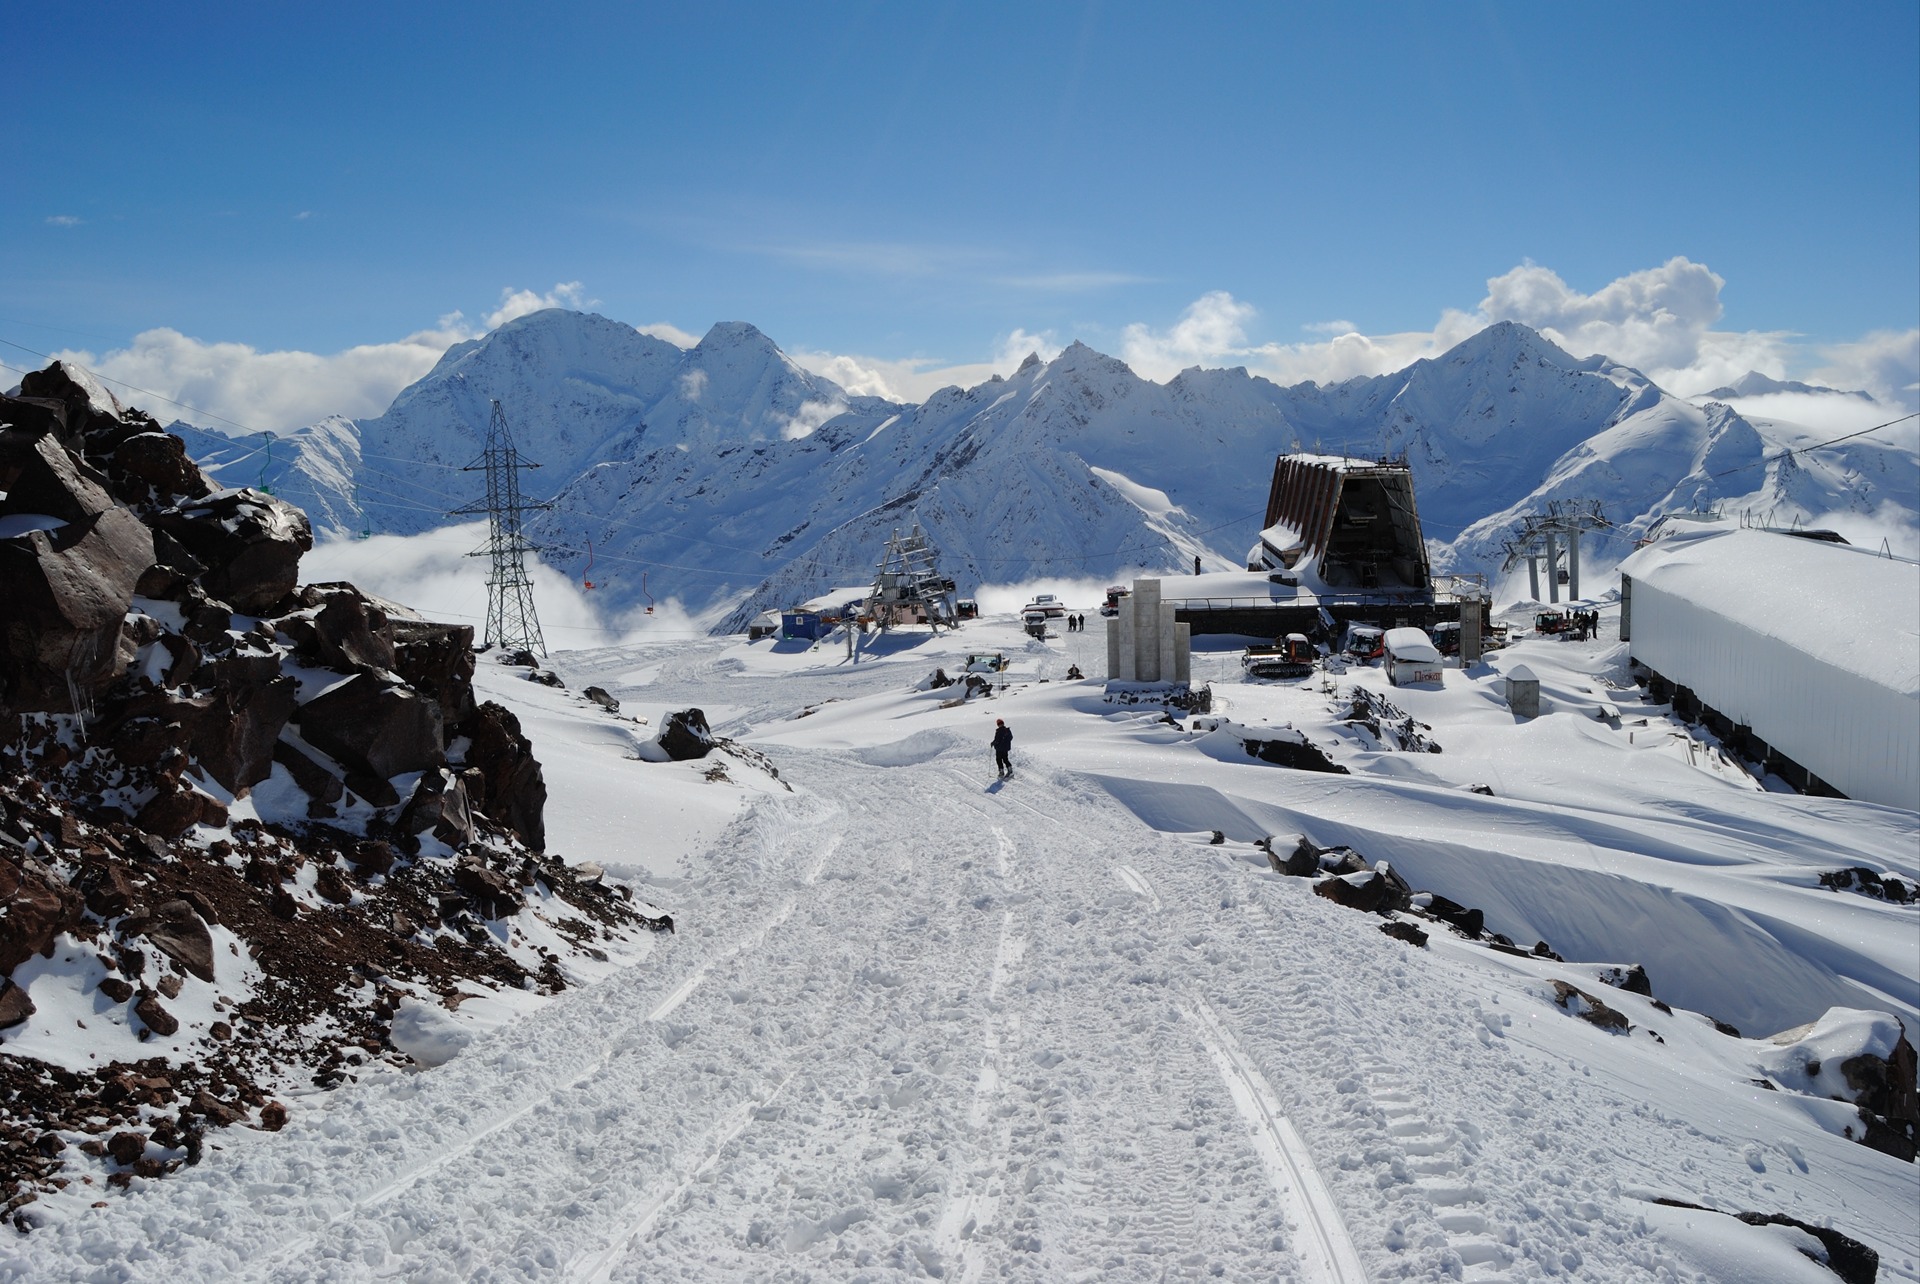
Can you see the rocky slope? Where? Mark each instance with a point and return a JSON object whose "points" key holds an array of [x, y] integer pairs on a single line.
{"points": [[252, 835]]}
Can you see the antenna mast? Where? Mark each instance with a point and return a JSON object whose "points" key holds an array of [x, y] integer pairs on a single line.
{"points": [[511, 621]]}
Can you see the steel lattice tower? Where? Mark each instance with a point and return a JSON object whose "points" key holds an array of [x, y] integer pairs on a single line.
{"points": [[511, 620]]}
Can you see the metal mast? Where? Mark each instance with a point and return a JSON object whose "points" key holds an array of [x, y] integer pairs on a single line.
{"points": [[511, 621], [1543, 535]]}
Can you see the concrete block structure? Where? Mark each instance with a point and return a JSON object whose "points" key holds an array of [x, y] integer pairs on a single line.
{"points": [[1145, 643]]}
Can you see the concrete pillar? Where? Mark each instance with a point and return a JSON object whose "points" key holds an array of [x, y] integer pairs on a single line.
{"points": [[1533, 576], [1169, 652], [1553, 568], [1114, 673], [1573, 565], [1146, 630], [1183, 653], [1469, 631]]}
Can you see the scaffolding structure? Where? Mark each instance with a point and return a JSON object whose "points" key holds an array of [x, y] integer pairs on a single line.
{"points": [[512, 623], [908, 587], [1549, 535]]}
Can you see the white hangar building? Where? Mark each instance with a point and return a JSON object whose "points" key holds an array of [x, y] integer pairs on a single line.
{"points": [[1801, 653]]}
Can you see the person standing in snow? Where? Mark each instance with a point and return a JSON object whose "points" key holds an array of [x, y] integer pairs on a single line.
{"points": [[1003, 746]]}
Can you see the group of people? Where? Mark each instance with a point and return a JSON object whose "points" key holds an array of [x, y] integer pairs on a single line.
{"points": [[1076, 624], [1583, 625]]}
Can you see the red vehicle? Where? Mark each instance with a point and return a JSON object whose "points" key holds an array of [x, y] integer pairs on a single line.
{"points": [[1365, 642]]}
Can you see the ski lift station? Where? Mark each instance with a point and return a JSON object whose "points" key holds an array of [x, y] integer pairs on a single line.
{"points": [[1340, 544], [1800, 653]]}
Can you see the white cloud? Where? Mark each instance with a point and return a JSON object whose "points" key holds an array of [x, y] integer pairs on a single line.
{"points": [[693, 385], [518, 303], [64, 220], [433, 574], [236, 384], [227, 385], [1212, 327], [1885, 363], [1012, 349], [671, 333], [1658, 320], [807, 420]]}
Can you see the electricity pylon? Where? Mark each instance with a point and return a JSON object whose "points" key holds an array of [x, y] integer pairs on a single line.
{"points": [[511, 621]]}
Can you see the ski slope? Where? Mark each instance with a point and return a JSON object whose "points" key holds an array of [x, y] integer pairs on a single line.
{"points": [[916, 1023]]}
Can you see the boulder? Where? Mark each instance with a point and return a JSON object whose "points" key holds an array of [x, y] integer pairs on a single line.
{"points": [[1469, 921], [1364, 892], [1589, 1009], [1632, 978], [1407, 932], [600, 697], [178, 932], [1302, 862], [685, 735], [125, 1147], [153, 465], [250, 542], [511, 788], [155, 1017], [374, 856], [107, 887], [439, 803], [496, 895], [251, 703], [177, 808], [437, 659], [36, 905], [375, 726], [15, 1005], [67, 592], [319, 784]]}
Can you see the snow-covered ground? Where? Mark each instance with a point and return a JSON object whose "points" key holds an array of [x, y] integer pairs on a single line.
{"points": [[917, 1023]]}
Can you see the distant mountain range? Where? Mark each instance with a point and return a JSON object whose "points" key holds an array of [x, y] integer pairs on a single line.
{"points": [[737, 481]]}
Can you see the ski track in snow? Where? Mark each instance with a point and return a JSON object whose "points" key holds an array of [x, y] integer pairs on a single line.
{"points": [[911, 1028]]}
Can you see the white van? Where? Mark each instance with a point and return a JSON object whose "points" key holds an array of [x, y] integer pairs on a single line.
{"points": [[1411, 657]]}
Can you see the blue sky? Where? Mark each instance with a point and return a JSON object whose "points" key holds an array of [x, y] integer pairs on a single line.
{"points": [[923, 186]]}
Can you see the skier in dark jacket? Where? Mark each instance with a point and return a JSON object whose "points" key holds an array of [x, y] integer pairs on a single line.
{"points": [[1002, 746]]}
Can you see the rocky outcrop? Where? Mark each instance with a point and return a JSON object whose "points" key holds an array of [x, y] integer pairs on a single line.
{"points": [[158, 661], [685, 735]]}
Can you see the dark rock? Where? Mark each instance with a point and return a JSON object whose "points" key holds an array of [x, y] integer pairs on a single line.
{"points": [[67, 591], [600, 697], [1365, 894], [439, 804], [1884, 1089], [1407, 932], [1218, 838], [495, 894], [176, 930], [36, 905], [155, 1017], [282, 905], [332, 887], [1343, 860], [1469, 921], [1298, 753], [174, 810], [273, 1117], [116, 989], [107, 887], [1852, 1261], [250, 704], [169, 985], [374, 726], [15, 1005], [314, 780], [512, 790], [250, 542], [352, 634], [215, 1111], [1398, 895], [125, 1147], [374, 856], [1632, 979], [685, 735], [155, 464], [1588, 1008], [1541, 950], [437, 659]]}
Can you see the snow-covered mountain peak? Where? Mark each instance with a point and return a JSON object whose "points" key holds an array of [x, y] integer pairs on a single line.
{"points": [[1755, 384]]}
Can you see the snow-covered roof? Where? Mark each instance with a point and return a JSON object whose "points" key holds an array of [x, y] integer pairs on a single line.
{"points": [[1411, 644], [1854, 609]]}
